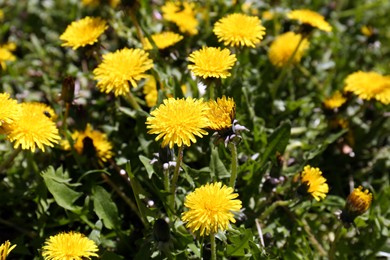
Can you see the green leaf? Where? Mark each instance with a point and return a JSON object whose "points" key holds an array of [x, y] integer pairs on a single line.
{"points": [[57, 182], [148, 167], [105, 208], [323, 145], [240, 243], [217, 167]]}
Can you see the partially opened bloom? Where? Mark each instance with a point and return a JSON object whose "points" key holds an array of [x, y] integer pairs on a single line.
{"points": [[83, 32], [183, 15], [91, 142], [221, 114], [358, 202], [239, 30], [121, 70], [9, 109], [369, 85], [32, 128], [283, 47], [5, 249], [178, 121], [310, 18], [6, 54], [211, 208], [313, 183], [212, 62], [69, 246], [163, 40], [335, 101]]}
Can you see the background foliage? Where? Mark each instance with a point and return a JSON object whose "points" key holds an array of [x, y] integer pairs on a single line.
{"points": [[122, 204]]}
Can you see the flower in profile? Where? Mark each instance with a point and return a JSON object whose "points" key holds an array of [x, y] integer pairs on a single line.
{"points": [[9, 109], [69, 246], [91, 142], [358, 202], [5, 249], [211, 208], [6, 54], [32, 128], [239, 30], [335, 101], [212, 62], [283, 47], [83, 32], [122, 69], [313, 183], [183, 15], [369, 85], [178, 121], [221, 114], [163, 40], [150, 91], [310, 18]]}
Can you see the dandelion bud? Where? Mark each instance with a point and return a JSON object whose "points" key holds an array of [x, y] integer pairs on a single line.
{"points": [[67, 92], [358, 202]]}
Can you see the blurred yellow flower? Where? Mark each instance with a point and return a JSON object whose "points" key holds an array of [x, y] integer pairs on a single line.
{"points": [[183, 15], [95, 3], [178, 121], [97, 141], [69, 246], [358, 201], [163, 40], [283, 47], [335, 101], [239, 30], [5, 249], [6, 54], [221, 114], [1, 15], [369, 85], [83, 32], [211, 208], [212, 62], [268, 15], [150, 91], [9, 109], [311, 18], [313, 183], [32, 128], [122, 69]]}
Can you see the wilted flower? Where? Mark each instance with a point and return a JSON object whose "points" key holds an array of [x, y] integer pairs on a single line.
{"points": [[211, 208], [335, 101], [83, 32], [163, 40], [182, 15], [310, 18], [313, 183], [6, 54]]}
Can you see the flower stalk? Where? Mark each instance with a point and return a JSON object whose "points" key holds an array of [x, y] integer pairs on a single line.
{"points": [[175, 177], [213, 246], [233, 176]]}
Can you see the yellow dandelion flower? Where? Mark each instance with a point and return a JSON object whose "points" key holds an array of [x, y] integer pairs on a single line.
{"points": [[69, 246], [268, 15], [182, 15], [6, 54], [150, 91], [212, 62], [83, 32], [221, 113], [102, 147], [369, 85], [163, 40], [9, 109], [122, 69], [5, 249], [335, 101], [92, 3], [239, 30], [284, 46], [32, 128], [178, 121], [211, 208], [313, 183], [311, 18], [359, 201], [41, 108], [1, 15], [367, 31]]}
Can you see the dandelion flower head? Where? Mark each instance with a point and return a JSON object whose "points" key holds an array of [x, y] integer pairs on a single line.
{"points": [[178, 121], [222, 113], [5, 249], [122, 69], [369, 85], [284, 46], [310, 18], [359, 201], [69, 246], [6, 54], [163, 40], [211, 208], [315, 183], [239, 30], [335, 101], [212, 62], [32, 128], [183, 15], [9, 109], [83, 32]]}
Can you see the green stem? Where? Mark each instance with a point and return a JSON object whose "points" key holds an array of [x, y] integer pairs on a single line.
{"points": [[133, 102], [10, 159], [332, 249], [312, 238], [233, 175], [66, 115], [213, 246], [270, 209], [166, 180], [175, 177]]}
